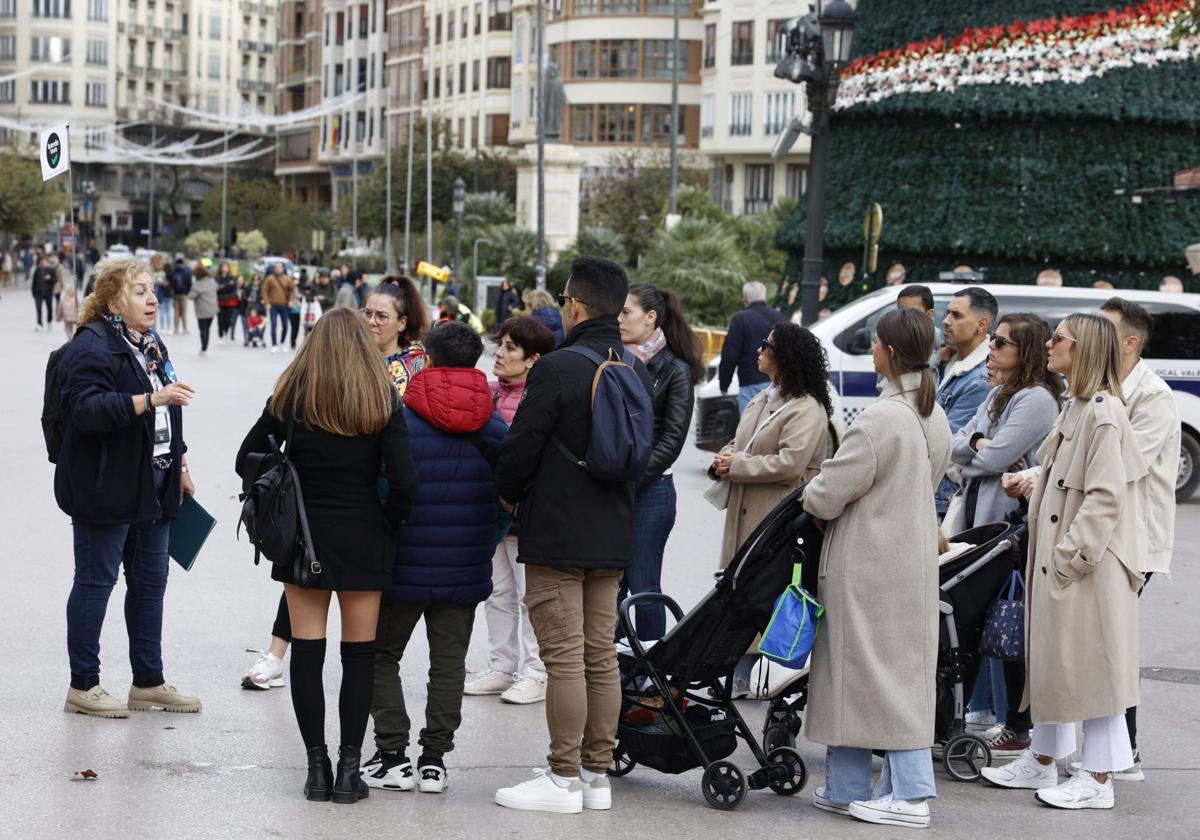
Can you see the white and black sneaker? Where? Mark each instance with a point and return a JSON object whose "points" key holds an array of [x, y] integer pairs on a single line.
{"points": [[431, 775], [389, 771]]}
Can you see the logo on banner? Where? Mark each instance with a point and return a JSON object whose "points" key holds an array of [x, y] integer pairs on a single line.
{"points": [[56, 151], [53, 151]]}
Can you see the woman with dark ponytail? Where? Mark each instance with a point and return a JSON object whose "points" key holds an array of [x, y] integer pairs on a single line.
{"points": [[871, 684], [654, 330]]}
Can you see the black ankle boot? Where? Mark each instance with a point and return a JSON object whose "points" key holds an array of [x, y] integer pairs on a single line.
{"points": [[318, 786], [348, 786]]}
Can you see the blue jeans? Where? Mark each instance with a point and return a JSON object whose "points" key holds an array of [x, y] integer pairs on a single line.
{"points": [[279, 313], [653, 519], [166, 308], [747, 393], [100, 551], [990, 693], [907, 775]]}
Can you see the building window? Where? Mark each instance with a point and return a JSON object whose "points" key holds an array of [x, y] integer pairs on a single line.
{"points": [[8, 8], [741, 106], [450, 25], [742, 43], [362, 74], [97, 51], [583, 59], [475, 77], [621, 7], [8, 47], [8, 91], [108, 181], [587, 7], [658, 64], [760, 187], [45, 92], [214, 67], [517, 109], [437, 29], [97, 10], [619, 59], [781, 106], [710, 45], [214, 27], [774, 51], [362, 22], [45, 48], [96, 94], [617, 123], [462, 77], [497, 130], [51, 8], [500, 20], [708, 114], [656, 124], [519, 43], [583, 124], [797, 180], [499, 73]]}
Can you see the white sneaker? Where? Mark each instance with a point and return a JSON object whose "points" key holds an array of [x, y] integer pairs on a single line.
{"points": [[274, 348], [264, 674], [980, 720], [489, 682], [542, 793], [1026, 772], [431, 778], [597, 794], [381, 774], [1133, 773], [823, 803], [524, 691], [1078, 792], [888, 811]]}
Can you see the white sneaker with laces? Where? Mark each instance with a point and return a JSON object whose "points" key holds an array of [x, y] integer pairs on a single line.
{"points": [[823, 803], [1025, 772], [524, 691], [266, 673], [1133, 773], [489, 682], [381, 774], [431, 778], [889, 811], [542, 793], [597, 794], [1078, 792]]}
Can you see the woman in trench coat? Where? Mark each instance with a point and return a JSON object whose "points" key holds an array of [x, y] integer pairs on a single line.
{"points": [[1081, 619], [873, 668], [784, 435]]}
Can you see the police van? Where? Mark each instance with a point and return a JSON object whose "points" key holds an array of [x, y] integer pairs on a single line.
{"points": [[1173, 353]]}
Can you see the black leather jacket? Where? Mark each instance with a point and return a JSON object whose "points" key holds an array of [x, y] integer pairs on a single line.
{"points": [[674, 398]]}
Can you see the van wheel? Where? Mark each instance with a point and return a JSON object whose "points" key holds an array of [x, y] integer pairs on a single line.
{"points": [[1189, 467]]}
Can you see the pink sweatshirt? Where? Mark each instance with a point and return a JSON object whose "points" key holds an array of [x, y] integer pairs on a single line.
{"points": [[506, 397]]}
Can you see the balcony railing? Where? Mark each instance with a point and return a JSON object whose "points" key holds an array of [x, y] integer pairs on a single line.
{"points": [[264, 87], [153, 74], [247, 46], [136, 72], [137, 29], [245, 85], [155, 31], [266, 48]]}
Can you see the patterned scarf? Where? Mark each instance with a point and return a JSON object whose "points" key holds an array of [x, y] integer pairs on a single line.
{"points": [[145, 343], [651, 348]]}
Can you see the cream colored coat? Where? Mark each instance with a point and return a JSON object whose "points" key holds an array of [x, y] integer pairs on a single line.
{"points": [[1154, 417], [785, 454], [873, 668], [1082, 578]]}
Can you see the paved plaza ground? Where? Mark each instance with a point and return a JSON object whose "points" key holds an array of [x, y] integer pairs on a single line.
{"points": [[236, 769]]}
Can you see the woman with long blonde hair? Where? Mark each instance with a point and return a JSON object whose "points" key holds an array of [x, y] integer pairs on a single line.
{"points": [[335, 412]]}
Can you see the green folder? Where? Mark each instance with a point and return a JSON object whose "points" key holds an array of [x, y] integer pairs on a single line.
{"points": [[188, 532]]}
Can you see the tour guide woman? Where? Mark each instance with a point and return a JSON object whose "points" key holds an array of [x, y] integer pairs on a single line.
{"points": [[873, 665], [340, 410], [121, 476]]}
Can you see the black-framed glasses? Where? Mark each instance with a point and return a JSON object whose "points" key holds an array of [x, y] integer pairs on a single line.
{"points": [[1001, 342], [562, 300]]}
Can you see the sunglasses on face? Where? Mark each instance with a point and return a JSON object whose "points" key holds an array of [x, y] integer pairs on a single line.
{"points": [[1058, 337], [765, 346], [1000, 342], [562, 301]]}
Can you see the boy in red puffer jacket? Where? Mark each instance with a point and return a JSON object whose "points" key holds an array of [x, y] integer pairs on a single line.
{"points": [[443, 557]]}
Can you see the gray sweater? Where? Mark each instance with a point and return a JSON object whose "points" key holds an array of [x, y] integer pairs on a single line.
{"points": [[1016, 435]]}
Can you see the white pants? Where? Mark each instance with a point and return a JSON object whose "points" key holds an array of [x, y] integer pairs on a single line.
{"points": [[514, 648], [1105, 743]]}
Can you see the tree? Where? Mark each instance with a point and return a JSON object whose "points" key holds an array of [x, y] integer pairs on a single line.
{"points": [[592, 241], [259, 203], [512, 253], [756, 239], [702, 263], [201, 242], [488, 208], [27, 203], [253, 243]]}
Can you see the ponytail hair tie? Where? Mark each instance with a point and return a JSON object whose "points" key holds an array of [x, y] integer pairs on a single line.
{"points": [[924, 366]]}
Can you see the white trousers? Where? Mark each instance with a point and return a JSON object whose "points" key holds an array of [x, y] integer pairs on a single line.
{"points": [[514, 648], [1105, 743]]}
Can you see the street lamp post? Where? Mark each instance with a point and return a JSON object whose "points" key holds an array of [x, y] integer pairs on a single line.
{"points": [[460, 197], [815, 48]]}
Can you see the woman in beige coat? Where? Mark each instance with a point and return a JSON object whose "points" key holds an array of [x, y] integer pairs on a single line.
{"points": [[784, 435], [1081, 620], [873, 668]]}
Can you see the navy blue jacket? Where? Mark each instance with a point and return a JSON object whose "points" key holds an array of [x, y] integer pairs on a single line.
{"points": [[444, 550], [748, 329], [104, 475]]}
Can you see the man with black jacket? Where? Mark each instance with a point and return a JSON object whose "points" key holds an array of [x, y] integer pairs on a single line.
{"points": [[576, 540], [748, 329]]}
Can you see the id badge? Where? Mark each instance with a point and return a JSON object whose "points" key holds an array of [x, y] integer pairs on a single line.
{"points": [[168, 372], [162, 426]]}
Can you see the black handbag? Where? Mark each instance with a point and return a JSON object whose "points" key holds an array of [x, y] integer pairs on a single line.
{"points": [[274, 516]]}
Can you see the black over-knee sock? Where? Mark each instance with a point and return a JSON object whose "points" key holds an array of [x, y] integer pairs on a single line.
{"points": [[1131, 724], [354, 702], [308, 691]]}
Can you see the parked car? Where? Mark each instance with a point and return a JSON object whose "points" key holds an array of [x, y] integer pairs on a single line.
{"points": [[1173, 353], [118, 250], [266, 265]]}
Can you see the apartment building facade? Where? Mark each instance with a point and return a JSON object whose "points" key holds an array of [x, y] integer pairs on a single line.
{"points": [[298, 68], [744, 108]]}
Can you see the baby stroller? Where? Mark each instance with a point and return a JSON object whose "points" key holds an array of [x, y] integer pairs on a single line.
{"points": [[666, 724], [968, 581]]}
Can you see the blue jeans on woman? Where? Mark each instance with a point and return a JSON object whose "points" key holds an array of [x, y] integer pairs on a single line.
{"points": [[653, 519], [990, 693], [907, 775], [100, 551], [279, 313]]}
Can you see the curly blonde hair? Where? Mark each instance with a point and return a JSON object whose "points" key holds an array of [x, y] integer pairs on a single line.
{"points": [[114, 277]]}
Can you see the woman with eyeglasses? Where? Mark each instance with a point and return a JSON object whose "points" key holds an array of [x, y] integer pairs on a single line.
{"points": [[1082, 578], [783, 436], [1003, 436]]}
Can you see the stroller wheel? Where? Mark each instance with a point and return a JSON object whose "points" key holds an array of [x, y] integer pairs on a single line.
{"points": [[965, 756], [797, 772], [621, 763], [778, 735], [724, 785]]}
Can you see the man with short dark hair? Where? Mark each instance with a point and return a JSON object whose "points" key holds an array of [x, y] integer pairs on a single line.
{"points": [[964, 386], [443, 564], [916, 297], [748, 329], [576, 540]]}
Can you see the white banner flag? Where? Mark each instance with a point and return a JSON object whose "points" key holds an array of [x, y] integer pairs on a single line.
{"points": [[54, 149]]}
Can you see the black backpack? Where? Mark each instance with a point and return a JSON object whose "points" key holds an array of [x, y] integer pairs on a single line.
{"points": [[274, 516], [54, 421]]}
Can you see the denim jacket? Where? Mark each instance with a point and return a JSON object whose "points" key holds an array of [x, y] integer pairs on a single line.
{"points": [[960, 394]]}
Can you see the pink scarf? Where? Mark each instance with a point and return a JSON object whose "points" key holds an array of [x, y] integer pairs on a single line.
{"points": [[651, 348]]}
